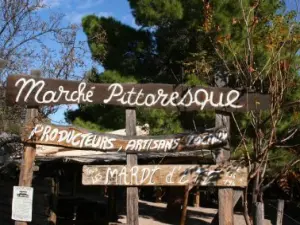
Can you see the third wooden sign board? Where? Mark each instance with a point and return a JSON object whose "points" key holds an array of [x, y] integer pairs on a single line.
{"points": [[165, 175]]}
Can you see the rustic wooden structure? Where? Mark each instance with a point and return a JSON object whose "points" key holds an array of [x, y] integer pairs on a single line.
{"points": [[60, 143]]}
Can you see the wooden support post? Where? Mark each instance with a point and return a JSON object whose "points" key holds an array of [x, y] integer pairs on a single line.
{"points": [[237, 194], [259, 217], [225, 206], [27, 166], [132, 192], [222, 120], [197, 197], [280, 210], [226, 194], [185, 203]]}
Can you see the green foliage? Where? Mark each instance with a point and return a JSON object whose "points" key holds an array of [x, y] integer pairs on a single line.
{"points": [[119, 47], [160, 121], [89, 125], [189, 41], [156, 12]]}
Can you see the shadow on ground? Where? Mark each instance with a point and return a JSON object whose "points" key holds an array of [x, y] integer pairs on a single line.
{"points": [[158, 213]]}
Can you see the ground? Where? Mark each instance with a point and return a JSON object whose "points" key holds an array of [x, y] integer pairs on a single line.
{"points": [[153, 214]]}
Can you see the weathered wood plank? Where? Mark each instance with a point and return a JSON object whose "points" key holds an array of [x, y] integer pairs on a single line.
{"points": [[78, 138], [132, 197], [27, 166], [237, 194], [226, 206], [30, 91], [165, 175], [280, 211]]}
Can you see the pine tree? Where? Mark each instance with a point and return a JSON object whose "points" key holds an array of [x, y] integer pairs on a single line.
{"points": [[254, 42]]}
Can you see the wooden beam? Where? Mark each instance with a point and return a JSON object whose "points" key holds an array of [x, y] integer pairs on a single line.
{"points": [[196, 197], [30, 91], [27, 165], [132, 192], [280, 211], [165, 175], [237, 194], [78, 138], [225, 195], [226, 206]]}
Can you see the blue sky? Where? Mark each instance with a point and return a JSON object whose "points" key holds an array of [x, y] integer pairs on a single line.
{"points": [[74, 10]]}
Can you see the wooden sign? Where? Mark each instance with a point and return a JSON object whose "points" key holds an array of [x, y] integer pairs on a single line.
{"points": [[165, 175], [77, 138], [30, 91]]}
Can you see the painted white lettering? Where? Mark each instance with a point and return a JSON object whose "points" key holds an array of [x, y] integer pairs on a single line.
{"points": [[145, 177], [130, 145], [134, 174], [184, 176], [123, 176], [231, 100], [111, 175], [156, 168], [169, 177], [117, 90]]}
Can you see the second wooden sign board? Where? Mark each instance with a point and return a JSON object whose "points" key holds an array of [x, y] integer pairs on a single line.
{"points": [[30, 91], [77, 138], [165, 175]]}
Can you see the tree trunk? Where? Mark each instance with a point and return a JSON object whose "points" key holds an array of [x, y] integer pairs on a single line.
{"points": [[259, 217], [184, 207]]}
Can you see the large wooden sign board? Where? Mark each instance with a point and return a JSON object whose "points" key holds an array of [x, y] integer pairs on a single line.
{"points": [[30, 91], [77, 138], [165, 175]]}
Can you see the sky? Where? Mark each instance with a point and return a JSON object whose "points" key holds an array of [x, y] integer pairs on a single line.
{"points": [[74, 10]]}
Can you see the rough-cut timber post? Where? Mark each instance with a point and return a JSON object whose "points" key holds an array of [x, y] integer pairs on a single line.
{"points": [[197, 197], [237, 194], [26, 171], [225, 195], [132, 192], [225, 206], [280, 209]]}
